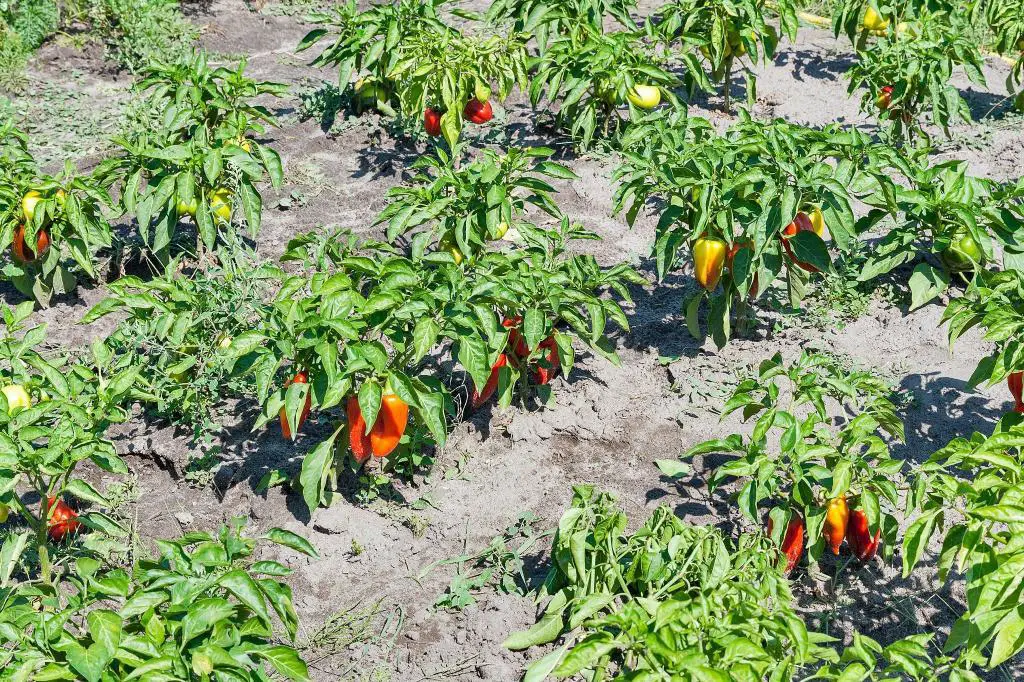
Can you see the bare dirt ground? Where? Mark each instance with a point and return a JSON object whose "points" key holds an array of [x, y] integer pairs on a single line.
{"points": [[609, 424]]}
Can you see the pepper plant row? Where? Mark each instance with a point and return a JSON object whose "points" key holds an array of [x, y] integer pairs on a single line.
{"points": [[70, 608], [362, 327], [754, 205], [195, 165]]}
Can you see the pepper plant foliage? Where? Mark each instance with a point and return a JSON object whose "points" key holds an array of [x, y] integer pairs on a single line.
{"points": [[371, 41], [469, 205], [725, 33], [1006, 19], [912, 659], [799, 456], [848, 16], [994, 301], [982, 478], [670, 600], [355, 323], [363, 317], [918, 62], [73, 401], [71, 217], [942, 206], [744, 187], [205, 609], [546, 20], [199, 161], [405, 58], [177, 327], [589, 74]]}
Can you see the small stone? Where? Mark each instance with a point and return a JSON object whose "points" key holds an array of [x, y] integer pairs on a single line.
{"points": [[461, 636], [184, 518], [413, 635]]}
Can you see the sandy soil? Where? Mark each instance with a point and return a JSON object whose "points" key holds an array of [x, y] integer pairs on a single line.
{"points": [[609, 424]]}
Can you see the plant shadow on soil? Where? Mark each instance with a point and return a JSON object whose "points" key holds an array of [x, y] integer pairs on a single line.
{"points": [[948, 409], [813, 64], [986, 106]]}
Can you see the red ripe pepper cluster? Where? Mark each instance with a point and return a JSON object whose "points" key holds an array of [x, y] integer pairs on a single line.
{"points": [[840, 523], [380, 440], [517, 351]]}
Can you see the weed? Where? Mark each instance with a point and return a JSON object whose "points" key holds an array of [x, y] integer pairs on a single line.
{"points": [[501, 565], [200, 471], [136, 32]]}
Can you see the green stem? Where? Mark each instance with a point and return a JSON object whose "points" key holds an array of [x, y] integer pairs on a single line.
{"points": [[43, 522], [728, 83]]}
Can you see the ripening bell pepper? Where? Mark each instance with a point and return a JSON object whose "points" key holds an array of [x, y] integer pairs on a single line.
{"points": [[708, 261], [477, 112], [61, 519], [516, 342], [392, 419], [358, 439], [858, 534], [547, 371], [1015, 382], [793, 542], [299, 378], [836, 517], [801, 223], [818, 222], [479, 398]]}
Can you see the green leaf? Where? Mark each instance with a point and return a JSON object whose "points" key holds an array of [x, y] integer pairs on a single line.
{"points": [[84, 491], [587, 654], [316, 466], [203, 615], [542, 668], [673, 468], [245, 589], [286, 661], [926, 283], [547, 629], [916, 540], [292, 540]]}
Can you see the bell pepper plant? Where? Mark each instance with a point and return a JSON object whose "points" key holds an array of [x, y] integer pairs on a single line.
{"points": [[52, 227], [907, 73], [356, 323], [546, 20], [406, 60], [54, 414], [992, 302], [592, 76], [967, 494], [464, 208], [808, 466], [546, 297], [201, 162], [772, 193], [949, 221], [611, 592], [725, 34], [203, 609], [1006, 21]]}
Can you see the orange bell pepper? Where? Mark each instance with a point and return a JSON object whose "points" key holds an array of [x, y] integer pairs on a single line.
{"points": [[390, 425]]}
